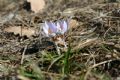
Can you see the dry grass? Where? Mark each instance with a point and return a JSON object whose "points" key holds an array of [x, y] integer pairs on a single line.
{"points": [[93, 43]]}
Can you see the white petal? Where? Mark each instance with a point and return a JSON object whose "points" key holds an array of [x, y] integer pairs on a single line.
{"points": [[45, 28], [58, 26], [65, 26]]}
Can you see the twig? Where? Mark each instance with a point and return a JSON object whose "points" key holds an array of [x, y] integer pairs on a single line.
{"points": [[86, 43], [23, 55], [58, 48], [106, 32], [21, 31], [4, 61], [95, 65], [19, 18], [60, 75]]}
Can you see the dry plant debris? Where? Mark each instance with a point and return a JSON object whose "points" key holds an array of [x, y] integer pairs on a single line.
{"points": [[93, 41]]}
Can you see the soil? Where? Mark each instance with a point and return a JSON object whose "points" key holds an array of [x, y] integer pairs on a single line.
{"points": [[93, 40]]}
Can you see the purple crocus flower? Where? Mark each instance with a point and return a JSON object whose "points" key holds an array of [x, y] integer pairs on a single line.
{"points": [[54, 28]]}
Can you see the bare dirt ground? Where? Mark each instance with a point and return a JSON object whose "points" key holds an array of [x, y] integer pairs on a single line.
{"points": [[93, 40]]}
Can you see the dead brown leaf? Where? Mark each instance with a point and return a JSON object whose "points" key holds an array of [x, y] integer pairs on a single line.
{"points": [[24, 31], [37, 5]]}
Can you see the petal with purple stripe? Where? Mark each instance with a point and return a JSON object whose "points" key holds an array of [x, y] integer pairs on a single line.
{"points": [[52, 27]]}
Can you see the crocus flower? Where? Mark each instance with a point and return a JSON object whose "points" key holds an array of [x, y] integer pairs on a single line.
{"points": [[62, 27], [55, 30]]}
